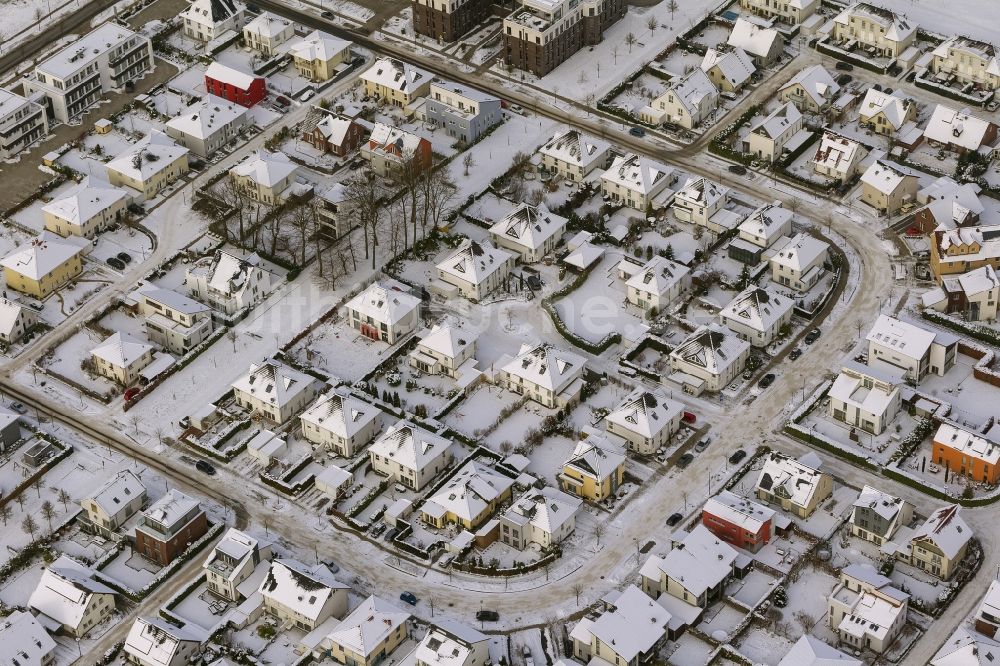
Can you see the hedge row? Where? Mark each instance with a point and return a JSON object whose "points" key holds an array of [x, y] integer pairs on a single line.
{"points": [[833, 52]]}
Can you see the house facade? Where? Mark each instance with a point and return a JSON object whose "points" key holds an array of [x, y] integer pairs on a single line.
{"points": [[340, 422], [22, 123], [169, 526], [594, 471], [381, 312], [792, 484], [274, 390], [463, 113]]}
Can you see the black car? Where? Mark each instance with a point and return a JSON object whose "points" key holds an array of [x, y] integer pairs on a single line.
{"points": [[136, 208], [738, 455], [877, 86], [845, 66], [116, 263], [844, 79], [205, 467], [409, 598], [637, 131], [124, 257], [674, 519], [738, 169], [685, 460], [487, 616], [327, 15], [766, 380], [812, 336], [794, 354]]}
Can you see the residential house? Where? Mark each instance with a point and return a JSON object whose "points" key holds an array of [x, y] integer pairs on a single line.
{"points": [[544, 516], [233, 561], [10, 429], [44, 264], [792, 484], [687, 103], [152, 641], [16, 319], [959, 131], [234, 85], [395, 82], [390, 151], [24, 641], [340, 422], [964, 249], [967, 61], [274, 390], [738, 521], [768, 137], [876, 516], [381, 312], [67, 596], [967, 648], [265, 176], [636, 181], [86, 211], [462, 112], [729, 71], [887, 186], [695, 570], [368, 635], [866, 397], [336, 134], [760, 41], [912, 349], [973, 295], [838, 157], [654, 285], [865, 610], [410, 455], [798, 263], [169, 526], [938, 546], [450, 643], [80, 74], [120, 498], [173, 321], [530, 231], [266, 32], [121, 357], [443, 350], [22, 123], [878, 31], [207, 126], [447, 20], [811, 90], [545, 374], [760, 230], [885, 113], [646, 420], [468, 498], [152, 165], [947, 205], [594, 471], [630, 631], [319, 56], [227, 282], [786, 11], [699, 200], [811, 651], [986, 619], [758, 315], [476, 269], [302, 596], [207, 20], [334, 206], [712, 356], [574, 155], [970, 454]]}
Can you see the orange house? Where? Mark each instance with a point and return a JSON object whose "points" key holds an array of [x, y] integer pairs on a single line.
{"points": [[966, 453], [389, 149]]}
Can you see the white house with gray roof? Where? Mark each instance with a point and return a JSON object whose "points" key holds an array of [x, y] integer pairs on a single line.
{"points": [[120, 498], [636, 181], [410, 455], [301, 595], [476, 268], [208, 125], [545, 374], [629, 631], [384, 312], [757, 315], [274, 390], [574, 155], [69, 597], [25, 642], [695, 570], [530, 231], [227, 282], [798, 262], [713, 355], [544, 516], [646, 420], [340, 422]]}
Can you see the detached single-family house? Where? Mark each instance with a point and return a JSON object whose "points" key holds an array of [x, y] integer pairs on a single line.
{"points": [[368, 635], [958, 130], [173, 321], [712, 356], [274, 390], [462, 112], [699, 200], [450, 643], [738, 521], [395, 81], [938, 546], [208, 125], [121, 357], [885, 113], [973, 295], [120, 498], [594, 471], [390, 150], [318, 55], [876, 516], [87, 211], [687, 103], [23, 640], [966, 646], [410, 455], [340, 422], [44, 264], [383, 313], [150, 166], [798, 263], [646, 420], [866, 397], [838, 157], [635, 181], [974, 455], [336, 134], [762, 43], [729, 71], [468, 498], [301, 595], [266, 32], [865, 610], [265, 176], [234, 85], [757, 315], [811, 90], [227, 282], [544, 516], [912, 349], [476, 269], [629, 631], [878, 31], [207, 20], [655, 285], [792, 485], [69, 597], [443, 350], [574, 155], [169, 526], [16, 319], [760, 230], [530, 231], [964, 249], [545, 374], [768, 137], [811, 651], [152, 641], [695, 570], [887, 186], [232, 562]]}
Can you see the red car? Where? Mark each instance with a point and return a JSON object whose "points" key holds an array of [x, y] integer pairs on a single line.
{"points": [[131, 393], [688, 417]]}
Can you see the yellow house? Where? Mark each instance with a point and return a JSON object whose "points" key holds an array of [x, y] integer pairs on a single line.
{"points": [[594, 471], [368, 635], [969, 61], [44, 264], [885, 113], [150, 166], [880, 30], [469, 498], [318, 55], [86, 212], [887, 187], [395, 81], [121, 358]]}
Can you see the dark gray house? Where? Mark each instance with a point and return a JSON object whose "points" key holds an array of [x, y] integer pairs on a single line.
{"points": [[462, 112]]}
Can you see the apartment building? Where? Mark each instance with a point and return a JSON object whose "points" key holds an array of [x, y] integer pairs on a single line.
{"points": [[447, 20], [879, 31], [86, 211], [967, 61], [22, 123], [462, 112]]}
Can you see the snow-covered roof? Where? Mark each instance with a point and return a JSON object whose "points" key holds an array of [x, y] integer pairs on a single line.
{"points": [[945, 189], [410, 446], [548, 509], [698, 562], [752, 37], [945, 529], [266, 168], [850, 387], [596, 457], [387, 139], [340, 413], [153, 154], [897, 27], [903, 337], [966, 647], [300, 588], [758, 308], [475, 261], [82, 53], [470, 490], [811, 651], [334, 129], [736, 510], [234, 549], [692, 88], [24, 641], [801, 252], [10, 103], [768, 221], [702, 192], [879, 101], [990, 605], [735, 66], [207, 117], [445, 340], [529, 225], [10, 311], [84, 202], [43, 254], [957, 127], [711, 347], [645, 412], [368, 626], [226, 74], [886, 176], [781, 120], [984, 236], [273, 382], [882, 503], [171, 508], [977, 281], [228, 273], [546, 366], [171, 299], [121, 350], [383, 304], [637, 173], [155, 642], [972, 47], [837, 152], [787, 477], [118, 491], [396, 75], [816, 82], [448, 643], [634, 625], [210, 12], [319, 46], [575, 148], [658, 276], [65, 591]]}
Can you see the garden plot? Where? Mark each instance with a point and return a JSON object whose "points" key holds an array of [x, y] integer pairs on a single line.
{"points": [[752, 589], [202, 608], [125, 322], [721, 618], [807, 593], [680, 62], [687, 650], [762, 646], [481, 409], [802, 167], [831, 513], [66, 361], [516, 427], [640, 92], [920, 465], [281, 650], [972, 400], [671, 237], [877, 447], [418, 392], [597, 406], [598, 308], [190, 81], [337, 350], [782, 552], [547, 459], [131, 570], [506, 557]]}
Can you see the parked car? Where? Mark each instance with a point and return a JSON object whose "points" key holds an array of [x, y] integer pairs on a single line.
{"points": [[794, 354], [205, 467], [766, 380], [378, 529], [688, 417], [487, 616], [674, 519], [738, 455], [136, 209], [327, 15], [845, 66], [637, 131], [702, 444], [130, 393], [888, 91], [332, 566], [18, 407], [877, 86], [409, 598], [116, 263], [124, 257], [738, 169], [282, 101], [35, 305], [812, 336], [685, 460], [844, 79]]}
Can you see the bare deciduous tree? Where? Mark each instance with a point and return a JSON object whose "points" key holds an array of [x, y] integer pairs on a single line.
{"points": [[652, 23], [29, 526], [5, 512], [468, 162], [367, 207], [630, 41], [64, 498], [48, 512]]}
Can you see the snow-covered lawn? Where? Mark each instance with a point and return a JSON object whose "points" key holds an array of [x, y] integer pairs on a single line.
{"points": [[807, 600], [480, 409], [598, 308], [338, 350], [721, 618], [973, 401], [752, 588], [762, 646], [131, 570], [67, 357], [688, 650]]}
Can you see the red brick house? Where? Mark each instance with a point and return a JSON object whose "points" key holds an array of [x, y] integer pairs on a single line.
{"points": [[336, 134], [168, 527], [390, 148], [233, 85], [738, 521]]}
